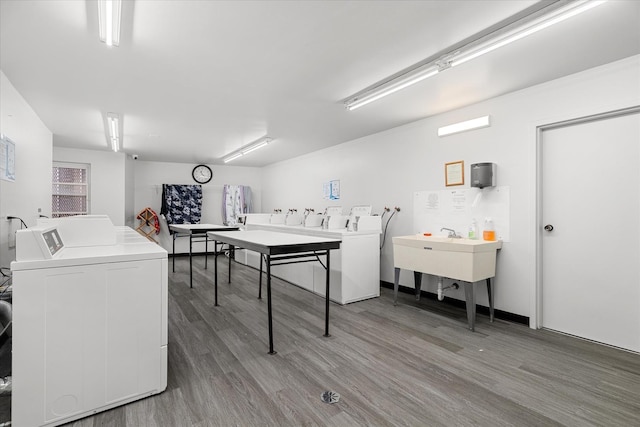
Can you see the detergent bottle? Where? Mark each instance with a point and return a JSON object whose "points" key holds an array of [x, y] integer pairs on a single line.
{"points": [[489, 232]]}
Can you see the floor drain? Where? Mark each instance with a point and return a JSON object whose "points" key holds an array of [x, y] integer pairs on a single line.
{"points": [[330, 397]]}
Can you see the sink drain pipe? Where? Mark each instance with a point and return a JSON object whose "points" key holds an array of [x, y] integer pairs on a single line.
{"points": [[441, 289]]}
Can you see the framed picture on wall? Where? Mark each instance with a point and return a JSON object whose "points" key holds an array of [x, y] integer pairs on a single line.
{"points": [[454, 173]]}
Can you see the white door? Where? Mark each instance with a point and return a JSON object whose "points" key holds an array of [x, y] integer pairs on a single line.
{"points": [[591, 256]]}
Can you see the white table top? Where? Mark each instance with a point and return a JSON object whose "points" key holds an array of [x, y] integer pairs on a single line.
{"points": [[273, 242], [200, 228]]}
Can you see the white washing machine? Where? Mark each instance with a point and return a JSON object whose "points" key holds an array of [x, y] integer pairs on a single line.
{"points": [[89, 320]]}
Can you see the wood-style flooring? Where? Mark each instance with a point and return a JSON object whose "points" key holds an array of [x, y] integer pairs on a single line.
{"points": [[415, 364]]}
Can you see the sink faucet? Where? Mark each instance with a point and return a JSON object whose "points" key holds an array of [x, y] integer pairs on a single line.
{"points": [[452, 233]]}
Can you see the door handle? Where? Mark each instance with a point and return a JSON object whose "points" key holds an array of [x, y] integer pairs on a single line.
{"points": [[548, 227]]}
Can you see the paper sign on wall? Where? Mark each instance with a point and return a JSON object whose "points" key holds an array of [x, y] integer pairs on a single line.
{"points": [[331, 190], [455, 209]]}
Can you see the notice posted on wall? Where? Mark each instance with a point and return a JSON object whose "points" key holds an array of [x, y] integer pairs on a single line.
{"points": [[7, 159], [456, 209], [331, 190]]}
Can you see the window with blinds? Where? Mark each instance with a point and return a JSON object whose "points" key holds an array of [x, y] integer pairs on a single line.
{"points": [[70, 189]]}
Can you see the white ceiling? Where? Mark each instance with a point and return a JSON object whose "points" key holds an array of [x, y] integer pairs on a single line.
{"points": [[196, 80]]}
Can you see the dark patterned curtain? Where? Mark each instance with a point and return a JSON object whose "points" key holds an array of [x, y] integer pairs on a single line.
{"points": [[181, 204]]}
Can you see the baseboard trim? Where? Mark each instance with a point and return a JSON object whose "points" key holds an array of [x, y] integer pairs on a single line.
{"points": [[498, 314]]}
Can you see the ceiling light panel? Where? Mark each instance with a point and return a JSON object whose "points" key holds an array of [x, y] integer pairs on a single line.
{"points": [[480, 122], [109, 14], [113, 131]]}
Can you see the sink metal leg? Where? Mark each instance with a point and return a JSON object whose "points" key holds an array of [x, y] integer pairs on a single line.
{"points": [[396, 278], [470, 297], [490, 295], [417, 279]]}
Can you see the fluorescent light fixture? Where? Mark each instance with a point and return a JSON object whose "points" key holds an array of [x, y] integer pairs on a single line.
{"points": [[109, 21], [255, 147], [232, 157], [534, 22], [395, 85], [262, 142], [558, 15], [113, 130], [480, 122]]}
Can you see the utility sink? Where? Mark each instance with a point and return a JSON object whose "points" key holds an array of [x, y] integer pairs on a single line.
{"points": [[461, 259], [466, 260]]}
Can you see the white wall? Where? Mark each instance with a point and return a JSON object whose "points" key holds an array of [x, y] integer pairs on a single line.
{"points": [[32, 188], [382, 169], [129, 192], [108, 192], [386, 168], [149, 177]]}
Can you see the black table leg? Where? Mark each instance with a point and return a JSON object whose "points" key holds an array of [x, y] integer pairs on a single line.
{"points": [[326, 308], [215, 272], [260, 280], [206, 250], [190, 267], [229, 280], [269, 305], [174, 252]]}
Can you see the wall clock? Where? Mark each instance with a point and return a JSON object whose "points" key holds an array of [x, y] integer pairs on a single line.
{"points": [[202, 174]]}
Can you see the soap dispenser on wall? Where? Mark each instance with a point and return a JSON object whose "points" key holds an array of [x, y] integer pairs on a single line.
{"points": [[483, 175]]}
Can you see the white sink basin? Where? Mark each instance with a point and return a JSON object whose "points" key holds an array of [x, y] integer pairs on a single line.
{"points": [[460, 259]]}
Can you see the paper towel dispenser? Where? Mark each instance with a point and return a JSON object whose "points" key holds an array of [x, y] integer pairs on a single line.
{"points": [[483, 175]]}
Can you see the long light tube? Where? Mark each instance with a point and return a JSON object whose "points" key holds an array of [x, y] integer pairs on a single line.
{"points": [[232, 157], [109, 17], [400, 84], [255, 147], [474, 49], [113, 129], [480, 122], [558, 15], [262, 142]]}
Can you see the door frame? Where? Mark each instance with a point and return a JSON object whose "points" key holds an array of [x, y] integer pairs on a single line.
{"points": [[536, 317]]}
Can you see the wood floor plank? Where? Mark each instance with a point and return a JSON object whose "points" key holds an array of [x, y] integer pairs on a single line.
{"points": [[413, 364]]}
